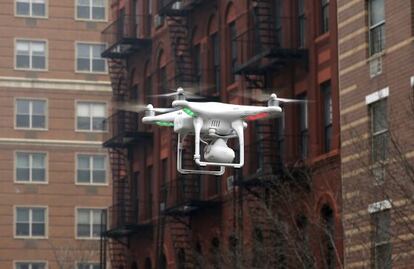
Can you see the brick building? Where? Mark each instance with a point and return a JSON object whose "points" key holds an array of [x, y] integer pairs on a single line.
{"points": [[282, 210], [54, 94], [375, 83]]}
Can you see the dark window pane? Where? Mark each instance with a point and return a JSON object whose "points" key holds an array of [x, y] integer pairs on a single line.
{"points": [[83, 123], [38, 62], [38, 122], [38, 266], [22, 229], [22, 174], [83, 230], [99, 176], [98, 13], [383, 256], [83, 65], [98, 65], [97, 228], [23, 61], [83, 12], [380, 145], [22, 121], [83, 176], [98, 124], [38, 174], [39, 107], [38, 9], [23, 106], [22, 8], [22, 266], [38, 229], [377, 13]]}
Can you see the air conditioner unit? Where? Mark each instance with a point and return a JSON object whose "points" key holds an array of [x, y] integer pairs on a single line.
{"points": [[375, 66]]}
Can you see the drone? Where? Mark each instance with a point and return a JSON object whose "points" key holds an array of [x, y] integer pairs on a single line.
{"points": [[213, 124]]}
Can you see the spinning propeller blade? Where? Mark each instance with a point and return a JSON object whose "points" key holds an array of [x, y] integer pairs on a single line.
{"points": [[187, 92], [261, 96], [133, 107]]}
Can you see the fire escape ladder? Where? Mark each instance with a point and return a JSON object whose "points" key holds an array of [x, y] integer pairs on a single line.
{"points": [[180, 42], [119, 80], [265, 24]]}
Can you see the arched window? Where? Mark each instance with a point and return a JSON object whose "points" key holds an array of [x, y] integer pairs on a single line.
{"points": [[214, 55], [328, 240], [232, 43]]}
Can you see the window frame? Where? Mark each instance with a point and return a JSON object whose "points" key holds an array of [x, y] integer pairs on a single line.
{"points": [[46, 128], [46, 16], [15, 262], [324, 6], [46, 222], [90, 19], [386, 242], [90, 237], [90, 154], [46, 181], [324, 87], [303, 126], [91, 102], [91, 71], [373, 27], [30, 40], [373, 134]]}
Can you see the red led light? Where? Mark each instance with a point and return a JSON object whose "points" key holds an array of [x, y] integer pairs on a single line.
{"points": [[257, 116]]}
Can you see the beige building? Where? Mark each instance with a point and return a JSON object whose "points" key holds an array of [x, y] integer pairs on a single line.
{"points": [[376, 56], [54, 96]]}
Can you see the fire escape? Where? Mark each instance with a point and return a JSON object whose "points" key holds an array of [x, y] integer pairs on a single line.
{"points": [[126, 35], [264, 54], [182, 197]]}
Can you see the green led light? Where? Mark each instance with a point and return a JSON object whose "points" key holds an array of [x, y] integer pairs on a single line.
{"points": [[164, 123], [189, 112]]}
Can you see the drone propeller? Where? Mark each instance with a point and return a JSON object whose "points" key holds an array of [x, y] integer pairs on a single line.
{"points": [[190, 92], [261, 96], [133, 107]]}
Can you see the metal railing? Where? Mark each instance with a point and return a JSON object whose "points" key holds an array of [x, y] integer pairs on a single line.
{"points": [[127, 29], [123, 213], [121, 124], [180, 192]]}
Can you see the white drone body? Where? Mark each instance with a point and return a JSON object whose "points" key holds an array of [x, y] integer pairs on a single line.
{"points": [[211, 123]]}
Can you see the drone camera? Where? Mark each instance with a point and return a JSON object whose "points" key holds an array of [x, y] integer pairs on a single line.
{"points": [[218, 151]]}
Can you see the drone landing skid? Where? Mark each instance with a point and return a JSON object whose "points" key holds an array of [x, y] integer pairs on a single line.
{"points": [[193, 171]]}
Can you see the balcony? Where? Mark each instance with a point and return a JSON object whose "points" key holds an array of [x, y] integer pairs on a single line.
{"points": [[176, 7], [126, 35], [124, 129], [124, 222], [263, 49], [184, 196]]}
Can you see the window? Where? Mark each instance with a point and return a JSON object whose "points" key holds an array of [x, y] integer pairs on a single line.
{"points": [[328, 240], [278, 21], [324, 16], [90, 116], [30, 114], [215, 48], [149, 193], [30, 265], [233, 52], [327, 115], [303, 128], [376, 26], [30, 167], [90, 222], [280, 132], [382, 240], [30, 55], [90, 10], [197, 63], [88, 58], [30, 222], [301, 23], [91, 169], [379, 130], [31, 8], [84, 265]]}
